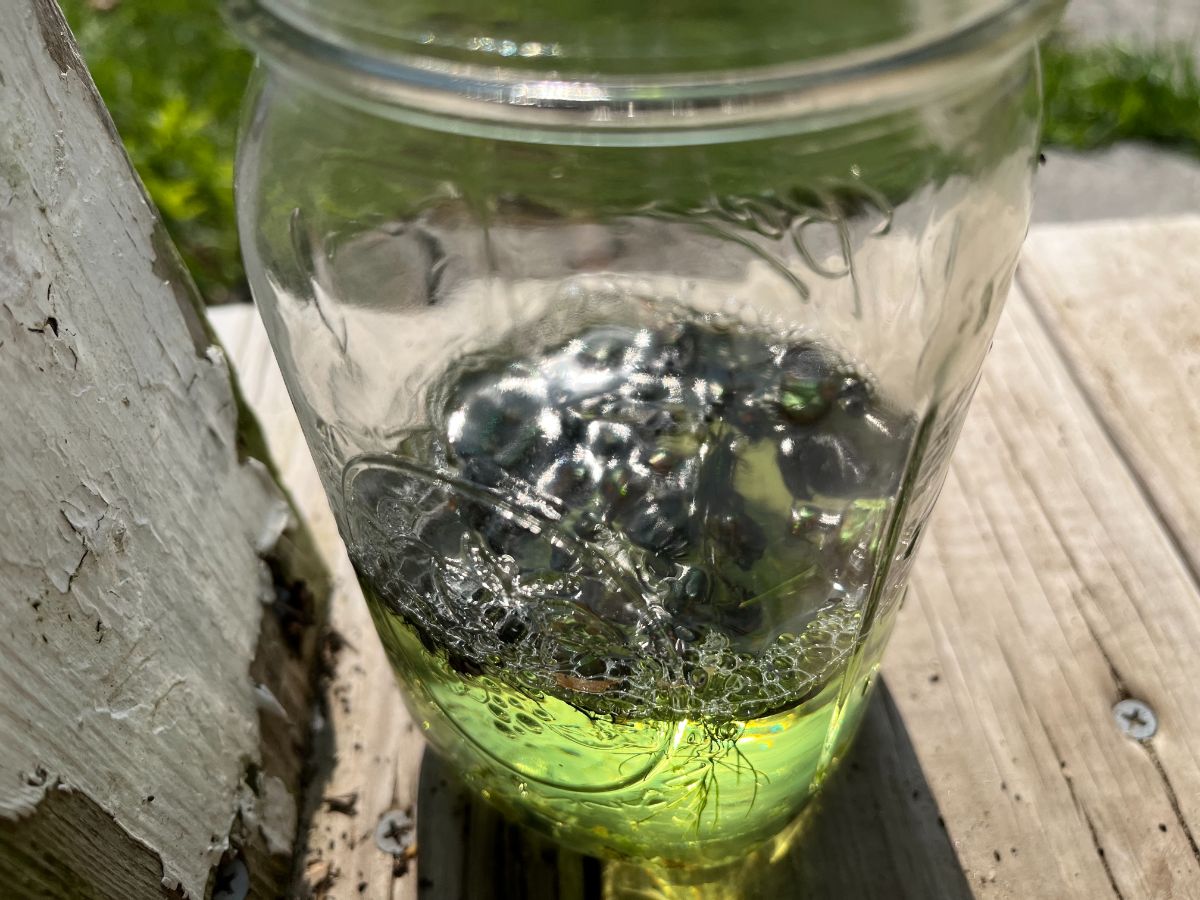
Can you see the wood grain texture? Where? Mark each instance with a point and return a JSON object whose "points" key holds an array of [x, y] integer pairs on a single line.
{"points": [[1046, 592], [45, 856], [1122, 303], [1048, 588], [155, 685]]}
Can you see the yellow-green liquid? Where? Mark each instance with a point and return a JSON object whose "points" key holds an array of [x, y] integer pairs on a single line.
{"points": [[684, 792]]}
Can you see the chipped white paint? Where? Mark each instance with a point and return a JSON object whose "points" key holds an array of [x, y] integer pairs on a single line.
{"points": [[129, 531]]}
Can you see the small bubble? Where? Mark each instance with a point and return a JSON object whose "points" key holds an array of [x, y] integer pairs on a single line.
{"points": [[685, 634], [529, 723], [498, 711]]}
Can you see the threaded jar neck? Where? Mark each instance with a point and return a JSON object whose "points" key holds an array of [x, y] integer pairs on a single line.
{"points": [[611, 73]]}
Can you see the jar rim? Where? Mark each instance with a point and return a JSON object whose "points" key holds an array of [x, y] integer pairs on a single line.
{"points": [[532, 104]]}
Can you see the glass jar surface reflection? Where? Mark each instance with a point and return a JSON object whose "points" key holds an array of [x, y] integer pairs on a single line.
{"points": [[632, 391]]}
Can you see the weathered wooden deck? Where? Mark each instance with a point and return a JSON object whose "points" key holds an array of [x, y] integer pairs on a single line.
{"points": [[1059, 576]]}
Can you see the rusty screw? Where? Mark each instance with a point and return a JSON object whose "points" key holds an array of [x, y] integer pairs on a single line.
{"points": [[1136, 719]]}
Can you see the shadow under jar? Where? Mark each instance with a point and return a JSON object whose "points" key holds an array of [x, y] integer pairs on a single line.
{"points": [[631, 342]]}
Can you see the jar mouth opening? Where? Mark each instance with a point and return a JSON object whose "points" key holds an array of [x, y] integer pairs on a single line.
{"points": [[412, 85]]}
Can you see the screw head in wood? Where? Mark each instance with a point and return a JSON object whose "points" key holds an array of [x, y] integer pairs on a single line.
{"points": [[232, 880], [1136, 719], [395, 833]]}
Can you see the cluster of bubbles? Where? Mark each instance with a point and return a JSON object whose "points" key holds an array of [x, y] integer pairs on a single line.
{"points": [[645, 522]]}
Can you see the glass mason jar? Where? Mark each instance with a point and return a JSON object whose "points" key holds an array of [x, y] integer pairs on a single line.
{"points": [[631, 347]]}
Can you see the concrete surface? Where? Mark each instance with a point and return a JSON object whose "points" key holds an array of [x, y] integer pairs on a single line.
{"points": [[1126, 181], [1136, 23]]}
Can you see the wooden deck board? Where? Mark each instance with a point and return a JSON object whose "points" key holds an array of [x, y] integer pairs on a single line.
{"points": [[1054, 592], [1122, 302], [1057, 577]]}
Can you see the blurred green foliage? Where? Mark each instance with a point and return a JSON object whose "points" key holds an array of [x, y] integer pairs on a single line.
{"points": [[173, 77], [1098, 95]]}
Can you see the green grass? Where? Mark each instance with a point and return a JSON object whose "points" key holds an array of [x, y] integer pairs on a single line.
{"points": [[173, 77], [1095, 96]]}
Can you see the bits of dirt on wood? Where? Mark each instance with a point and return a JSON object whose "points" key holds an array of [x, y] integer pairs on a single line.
{"points": [[340, 692], [49, 322], [331, 646], [293, 605], [346, 804], [320, 876]]}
